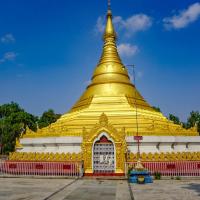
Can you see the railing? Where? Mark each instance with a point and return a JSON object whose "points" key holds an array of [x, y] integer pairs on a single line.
{"points": [[70, 169], [176, 168]]}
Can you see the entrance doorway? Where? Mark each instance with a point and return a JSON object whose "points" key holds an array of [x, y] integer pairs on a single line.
{"points": [[103, 156]]}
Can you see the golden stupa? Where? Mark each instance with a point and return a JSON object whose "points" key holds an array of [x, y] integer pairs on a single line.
{"points": [[110, 104]]}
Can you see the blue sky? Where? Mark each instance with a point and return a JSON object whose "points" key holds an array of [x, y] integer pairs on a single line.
{"points": [[49, 49]]}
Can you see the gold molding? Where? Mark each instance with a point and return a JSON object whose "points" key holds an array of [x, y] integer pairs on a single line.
{"points": [[167, 156], [119, 141], [36, 156]]}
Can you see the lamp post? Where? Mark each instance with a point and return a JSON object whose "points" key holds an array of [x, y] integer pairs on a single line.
{"points": [[137, 137], [139, 174]]}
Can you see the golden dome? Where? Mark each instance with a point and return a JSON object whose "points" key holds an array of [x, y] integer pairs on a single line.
{"points": [[110, 77]]}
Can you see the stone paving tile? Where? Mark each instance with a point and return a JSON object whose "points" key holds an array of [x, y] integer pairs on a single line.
{"points": [[168, 190], [25, 189], [123, 191], [93, 189], [67, 190]]}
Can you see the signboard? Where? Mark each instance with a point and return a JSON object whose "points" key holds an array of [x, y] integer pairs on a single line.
{"points": [[138, 137]]}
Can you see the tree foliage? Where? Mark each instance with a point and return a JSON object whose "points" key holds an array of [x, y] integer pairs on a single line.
{"points": [[47, 118], [174, 118], [157, 109], [193, 120], [13, 122]]}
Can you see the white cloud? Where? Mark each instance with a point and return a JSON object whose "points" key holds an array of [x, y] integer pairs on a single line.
{"points": [[127, 50], [133, 24], [100, 25], [184, 18], [8, 56], [8, 38]]}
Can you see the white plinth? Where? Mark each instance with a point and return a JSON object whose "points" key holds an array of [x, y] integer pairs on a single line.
{"points": [[160, 144], [151, 144]]}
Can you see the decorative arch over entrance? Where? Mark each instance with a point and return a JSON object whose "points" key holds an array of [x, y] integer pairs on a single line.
{"points": [[90, 137], [103, 154]]}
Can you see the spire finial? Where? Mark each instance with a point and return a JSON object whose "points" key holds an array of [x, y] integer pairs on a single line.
{"points": [[110, 48], [109, 8], [109, 29], [109, 5]]}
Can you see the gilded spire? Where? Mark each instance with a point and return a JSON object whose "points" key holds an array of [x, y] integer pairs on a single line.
{"points": [[109, 30], [110, 71], [109, 53], [110, 77]]}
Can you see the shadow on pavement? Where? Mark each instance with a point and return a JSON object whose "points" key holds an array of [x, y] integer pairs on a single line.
{"points": [[193, 186]]}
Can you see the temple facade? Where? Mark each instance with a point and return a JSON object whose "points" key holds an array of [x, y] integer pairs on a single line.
{"points": [[100, 128]]}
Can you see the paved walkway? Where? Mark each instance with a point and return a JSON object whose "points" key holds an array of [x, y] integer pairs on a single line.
{"points": [[33, 189], [87, 189], [168, 190], [63, 189], [96, 190]]}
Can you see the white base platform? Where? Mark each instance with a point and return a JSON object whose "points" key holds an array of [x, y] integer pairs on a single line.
{"points": [[151, 144]]}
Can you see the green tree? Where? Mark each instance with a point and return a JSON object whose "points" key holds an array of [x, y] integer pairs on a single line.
{"points": [[174, 118], [13, 123], [157, 109], [194, 119], [47, 118]]}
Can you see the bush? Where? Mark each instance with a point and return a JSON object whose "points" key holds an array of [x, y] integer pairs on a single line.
{"points": [[178, 178], [157, 175], [129, 170]]}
